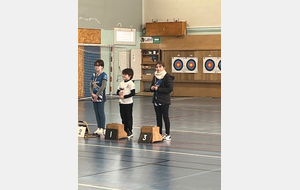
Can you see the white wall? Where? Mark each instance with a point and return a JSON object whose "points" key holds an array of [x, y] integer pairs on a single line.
{"points": [[197, 13]]}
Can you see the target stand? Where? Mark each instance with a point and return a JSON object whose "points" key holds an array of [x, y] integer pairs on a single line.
{"points": [[84, 130], [115, 131], [150, 134]]}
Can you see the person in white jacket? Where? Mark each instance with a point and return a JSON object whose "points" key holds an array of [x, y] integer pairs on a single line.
{"points": [[126, 91]]}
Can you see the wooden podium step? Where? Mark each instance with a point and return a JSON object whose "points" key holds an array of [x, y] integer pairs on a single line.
{"points": [[115, 131], [150, 134]]}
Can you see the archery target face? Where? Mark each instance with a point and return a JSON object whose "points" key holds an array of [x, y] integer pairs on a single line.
{"points": [[209, 65], [191, 65], [177, 65]]}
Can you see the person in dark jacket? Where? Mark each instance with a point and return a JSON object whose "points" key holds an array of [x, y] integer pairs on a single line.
{"points": [[162, 86]]}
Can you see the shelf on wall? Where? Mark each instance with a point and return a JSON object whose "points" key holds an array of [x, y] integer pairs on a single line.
{"points": [[150, 56], [148, 63]]}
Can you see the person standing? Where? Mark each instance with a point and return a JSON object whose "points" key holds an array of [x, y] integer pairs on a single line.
{"points": [[97, 90], [162, 86], [126, 91]]}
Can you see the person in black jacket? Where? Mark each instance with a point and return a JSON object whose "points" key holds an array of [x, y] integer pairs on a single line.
{"points": [[162, 86]]}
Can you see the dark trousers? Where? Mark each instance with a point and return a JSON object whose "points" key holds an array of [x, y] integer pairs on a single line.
{"points": [[162, 112], [99, 113], [126, 116]]}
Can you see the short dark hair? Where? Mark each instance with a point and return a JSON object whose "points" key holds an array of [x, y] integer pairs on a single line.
{"points": [[99, 62], [128, 71], [160, 63]]}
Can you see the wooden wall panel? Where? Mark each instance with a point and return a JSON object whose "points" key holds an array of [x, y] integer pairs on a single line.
{"points": [[80, 71], [196, 84], [89, 36], [192, 77], [206, 76], [197, 90], [191, 42]]}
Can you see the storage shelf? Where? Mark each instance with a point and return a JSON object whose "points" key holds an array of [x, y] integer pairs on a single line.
{"points": [[150, 54], [148, 63], [152, 68]]}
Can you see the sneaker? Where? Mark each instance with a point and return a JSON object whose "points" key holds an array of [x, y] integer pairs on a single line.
{"points": [[104, 131], [99, 131], [164, 136], [167, 138], [129, 134], [96, 132]]}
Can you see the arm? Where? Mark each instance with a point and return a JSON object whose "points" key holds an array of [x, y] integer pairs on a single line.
{"points": [[101, 88], [118, 91], [132, 93], [91, 87], [168, 88]]}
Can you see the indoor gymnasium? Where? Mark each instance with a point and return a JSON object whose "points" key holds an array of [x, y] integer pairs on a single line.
{"points": [[182, 152]]}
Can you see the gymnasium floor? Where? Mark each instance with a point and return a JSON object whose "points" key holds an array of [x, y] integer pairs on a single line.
{"points": [[190, 161]]}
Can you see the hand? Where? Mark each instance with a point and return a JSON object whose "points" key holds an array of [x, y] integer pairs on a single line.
{"points": [[121, 95], [153, 87], [95, 99]]}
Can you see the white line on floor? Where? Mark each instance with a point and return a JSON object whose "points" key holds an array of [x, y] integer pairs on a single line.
{"points": [[181, 153], [98, 187], [196, 132]]}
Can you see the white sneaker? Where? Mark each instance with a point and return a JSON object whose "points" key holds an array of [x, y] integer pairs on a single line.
{"points": [[96, 132], [164, 136], [99, 131], [167, 138], [104, 131]]}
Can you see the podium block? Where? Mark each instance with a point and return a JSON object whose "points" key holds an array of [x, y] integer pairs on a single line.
{"points": [[115, 131], [84, 130], [150, 134]]}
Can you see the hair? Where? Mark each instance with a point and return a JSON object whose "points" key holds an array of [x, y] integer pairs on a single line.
{"points": [[160, 63], [128, 71], [99, 62]]}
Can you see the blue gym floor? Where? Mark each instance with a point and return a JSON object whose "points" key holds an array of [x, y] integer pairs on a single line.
{"points": [[190, 161]]}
